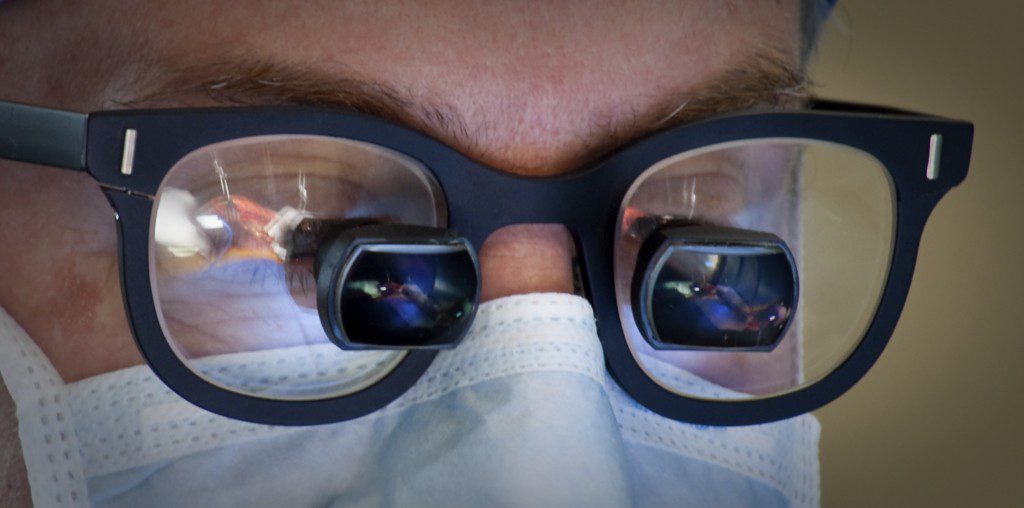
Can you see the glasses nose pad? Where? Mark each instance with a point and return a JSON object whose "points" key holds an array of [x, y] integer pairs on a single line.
{"points": [[395, 286], [702, 287]]}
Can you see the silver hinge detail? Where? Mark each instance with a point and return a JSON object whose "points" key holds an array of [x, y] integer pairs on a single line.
{"points": [[934, 152], [128, 155]]}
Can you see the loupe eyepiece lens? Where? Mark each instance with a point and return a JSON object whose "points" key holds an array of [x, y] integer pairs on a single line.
{"points": [[388, 286], [713, 288]]}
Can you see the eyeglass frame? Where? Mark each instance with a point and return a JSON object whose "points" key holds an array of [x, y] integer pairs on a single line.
{"points": [[129, 152]]}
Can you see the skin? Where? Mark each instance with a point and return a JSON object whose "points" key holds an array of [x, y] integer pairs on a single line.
{"points": [[570, 76]]}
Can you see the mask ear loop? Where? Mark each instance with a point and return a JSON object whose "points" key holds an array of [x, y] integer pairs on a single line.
{"points": [[49, 443]]}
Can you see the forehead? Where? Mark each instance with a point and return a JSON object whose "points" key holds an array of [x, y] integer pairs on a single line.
{"points": [[534, 85]]}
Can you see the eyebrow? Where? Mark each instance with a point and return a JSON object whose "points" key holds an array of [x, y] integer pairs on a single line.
{"points": [[764, 81]]}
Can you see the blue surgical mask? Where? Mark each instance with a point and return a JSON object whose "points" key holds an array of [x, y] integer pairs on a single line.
{"points": [[522, 413]]}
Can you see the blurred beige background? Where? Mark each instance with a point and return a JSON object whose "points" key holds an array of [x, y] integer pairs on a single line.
{"points": [[939, 421]]}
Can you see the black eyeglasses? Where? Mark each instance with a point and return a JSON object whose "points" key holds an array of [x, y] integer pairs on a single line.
{"points": [[742, 269]]}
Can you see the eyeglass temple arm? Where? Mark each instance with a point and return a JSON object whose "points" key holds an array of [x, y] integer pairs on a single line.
{"points": [[44, 136]]}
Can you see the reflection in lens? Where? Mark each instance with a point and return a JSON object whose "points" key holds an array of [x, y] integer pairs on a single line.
{"points": [[721, 298], [234, 306], [831, 204], [398, 299]]}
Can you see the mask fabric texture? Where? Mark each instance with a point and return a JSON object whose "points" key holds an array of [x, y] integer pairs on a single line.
{"points": [[522, 413]]}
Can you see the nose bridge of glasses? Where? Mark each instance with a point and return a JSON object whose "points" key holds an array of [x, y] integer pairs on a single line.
{"points": [[483, 202], [524, 229]]}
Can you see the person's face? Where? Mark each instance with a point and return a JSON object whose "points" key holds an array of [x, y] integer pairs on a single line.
{"points": [[528, 87]]}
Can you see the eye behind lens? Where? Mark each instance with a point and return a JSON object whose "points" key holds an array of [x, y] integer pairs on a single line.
{"points": [[233, 278]]}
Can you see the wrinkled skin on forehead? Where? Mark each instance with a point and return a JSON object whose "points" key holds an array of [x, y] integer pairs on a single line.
{"points": [[533, 88]]}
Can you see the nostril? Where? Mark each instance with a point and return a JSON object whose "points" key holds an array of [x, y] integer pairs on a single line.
{"points": [[527, 258]]}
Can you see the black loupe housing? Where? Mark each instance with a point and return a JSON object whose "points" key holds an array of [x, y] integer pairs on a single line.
{"points": [[702, 287], [394, 286]]}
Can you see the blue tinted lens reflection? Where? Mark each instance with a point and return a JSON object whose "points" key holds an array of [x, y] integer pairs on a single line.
{"points": [[395, 299], [722, 297]]}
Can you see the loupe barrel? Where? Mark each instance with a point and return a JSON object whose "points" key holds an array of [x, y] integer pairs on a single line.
{"points": [[405, 296], [397, 287], [709, 288]]}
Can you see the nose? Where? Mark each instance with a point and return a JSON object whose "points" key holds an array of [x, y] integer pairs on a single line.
{"points": [[527, 258]]}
